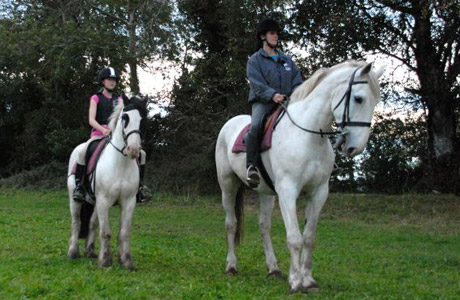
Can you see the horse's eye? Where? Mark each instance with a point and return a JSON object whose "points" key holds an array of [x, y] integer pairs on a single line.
{"points": [[358, 99], [125, 119]]}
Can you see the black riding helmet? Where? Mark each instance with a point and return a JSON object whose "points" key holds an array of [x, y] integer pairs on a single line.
{"points": [[108, 72], [267, 25]]}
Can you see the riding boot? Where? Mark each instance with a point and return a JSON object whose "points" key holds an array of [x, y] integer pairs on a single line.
{"points": [[252, 160], [79, 191], [142, 195]]}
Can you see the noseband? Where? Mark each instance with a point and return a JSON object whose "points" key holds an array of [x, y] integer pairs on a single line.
{"points": [[346, 111], [125, 136]]}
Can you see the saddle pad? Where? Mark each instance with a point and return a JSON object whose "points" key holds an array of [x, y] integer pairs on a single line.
{"points": [[93, 153], [240, 145]]}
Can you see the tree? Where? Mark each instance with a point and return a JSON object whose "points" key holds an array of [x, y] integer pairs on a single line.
{"points": [[422, 34], [219, 38], [45, 70], [51, 54], [394, 160], [148, 26]]}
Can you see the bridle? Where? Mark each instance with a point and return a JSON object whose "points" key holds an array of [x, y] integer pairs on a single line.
{"points": [[125, 120], [346, 111]]}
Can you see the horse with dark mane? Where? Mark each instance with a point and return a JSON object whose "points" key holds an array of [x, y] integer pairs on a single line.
{"points": [[115, 180]]}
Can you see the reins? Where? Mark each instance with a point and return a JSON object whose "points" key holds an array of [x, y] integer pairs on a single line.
{"points": [[125, 138], [346, 112], [320, 132]]}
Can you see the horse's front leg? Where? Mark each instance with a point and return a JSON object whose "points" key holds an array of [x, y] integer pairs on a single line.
{"points": [[90, 250], [288, 194], [127, 209], [265, 223], [102, 208], [75, 208], [313, 209]]}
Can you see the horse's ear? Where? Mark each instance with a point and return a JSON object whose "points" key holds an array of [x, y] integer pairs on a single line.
{"points": [[380, 71], [366, 69], [145, 100], [125, 99]]}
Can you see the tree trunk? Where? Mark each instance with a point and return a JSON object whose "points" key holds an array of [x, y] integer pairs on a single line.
{"points": [[435, 94], [133, 78], [441, 124]]}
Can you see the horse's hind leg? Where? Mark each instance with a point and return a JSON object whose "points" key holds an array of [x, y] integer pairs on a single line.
{"points": [[265, 222], [90, 250], [232, 202], [124, 252], [313, 209], [102, 209], [75, 208]]}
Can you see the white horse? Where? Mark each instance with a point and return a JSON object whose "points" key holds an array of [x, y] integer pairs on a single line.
{"points": [[301, 158], [116, 181]]}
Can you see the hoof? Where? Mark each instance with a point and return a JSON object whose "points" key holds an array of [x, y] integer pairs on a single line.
{"points": [[231, 272], [105, 263], [311, 288], [90, 254], [73, 254], [295, 289], [275, 275], [128, 264], [131, 267]]}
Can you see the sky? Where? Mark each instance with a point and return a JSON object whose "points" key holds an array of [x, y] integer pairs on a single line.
{"points": [[153, 81]]}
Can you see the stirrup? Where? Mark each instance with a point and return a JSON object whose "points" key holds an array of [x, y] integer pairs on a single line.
{"points": [[142, 195], [79, 194], [252, 176]]}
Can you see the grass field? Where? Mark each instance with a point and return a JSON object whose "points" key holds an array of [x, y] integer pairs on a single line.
{"points": [[368, 247]]}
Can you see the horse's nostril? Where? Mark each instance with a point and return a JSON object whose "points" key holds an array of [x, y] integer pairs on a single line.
{"points": [[350, 150]]}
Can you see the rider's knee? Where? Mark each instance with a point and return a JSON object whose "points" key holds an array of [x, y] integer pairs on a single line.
{"points": [[143, 157], [81, 157], [256, 128]]}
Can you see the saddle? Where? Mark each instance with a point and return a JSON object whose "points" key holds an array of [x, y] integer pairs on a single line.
{"points": [[240, 145], [240, 142], [93, 153]]}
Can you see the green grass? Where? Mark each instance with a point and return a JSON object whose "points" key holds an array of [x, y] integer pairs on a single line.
{"points": [[368, 247]]}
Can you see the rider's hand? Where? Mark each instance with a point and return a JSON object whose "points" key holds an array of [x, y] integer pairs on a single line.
{"points": [[278, 98], [106, 132]]}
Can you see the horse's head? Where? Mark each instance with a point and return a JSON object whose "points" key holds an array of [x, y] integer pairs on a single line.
{"points": [[353, 105], [134, 111]]}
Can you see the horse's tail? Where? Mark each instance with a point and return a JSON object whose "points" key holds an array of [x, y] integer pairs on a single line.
{"points": [[86, 211], [239, 213]]}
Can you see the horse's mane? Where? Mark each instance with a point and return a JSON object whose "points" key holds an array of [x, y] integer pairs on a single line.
{"points": [[303, 90], [113, 119]]}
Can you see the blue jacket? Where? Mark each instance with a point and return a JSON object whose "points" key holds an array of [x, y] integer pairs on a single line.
{"points": [[267, 77]]}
